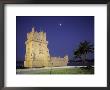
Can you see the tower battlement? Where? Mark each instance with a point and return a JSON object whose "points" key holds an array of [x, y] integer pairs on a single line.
{"points": [[36, 36]]}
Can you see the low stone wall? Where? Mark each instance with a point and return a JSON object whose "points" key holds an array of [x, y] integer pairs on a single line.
{"points": [[57, 61]]}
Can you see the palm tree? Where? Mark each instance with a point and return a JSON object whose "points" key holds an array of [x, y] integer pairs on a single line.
{"points": [[77, 54], [84, 48]]}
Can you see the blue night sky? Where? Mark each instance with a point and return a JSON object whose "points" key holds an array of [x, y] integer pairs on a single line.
{"points": [[64, 33]]}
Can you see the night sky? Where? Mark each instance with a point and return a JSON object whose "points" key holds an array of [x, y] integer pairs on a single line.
{"points": [[64, 33]]}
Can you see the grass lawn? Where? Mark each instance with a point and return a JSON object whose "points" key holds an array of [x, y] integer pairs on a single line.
{"points": [[73, 71], [76, 70]]}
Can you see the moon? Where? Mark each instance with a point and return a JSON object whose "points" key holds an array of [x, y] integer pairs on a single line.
{"points": [[60, 24]]}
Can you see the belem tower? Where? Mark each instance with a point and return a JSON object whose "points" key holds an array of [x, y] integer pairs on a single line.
{"points": [[37, 52]]}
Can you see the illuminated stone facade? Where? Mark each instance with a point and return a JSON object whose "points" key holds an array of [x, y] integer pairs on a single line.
{"points": [[37, 52]]}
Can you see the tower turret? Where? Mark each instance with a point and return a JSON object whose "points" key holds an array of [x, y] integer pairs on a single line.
{"points": [[33, 29]]}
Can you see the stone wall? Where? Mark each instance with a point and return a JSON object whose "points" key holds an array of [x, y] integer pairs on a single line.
{"points": [[57, 61]]}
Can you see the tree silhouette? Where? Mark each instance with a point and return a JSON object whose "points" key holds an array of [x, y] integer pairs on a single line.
{"points": [[83, 49]]}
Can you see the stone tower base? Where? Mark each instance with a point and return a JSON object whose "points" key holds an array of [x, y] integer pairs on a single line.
{"points": [[34, 64]]}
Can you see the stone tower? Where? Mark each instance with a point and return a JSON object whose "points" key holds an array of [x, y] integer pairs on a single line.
{"points": [[37, 52]]}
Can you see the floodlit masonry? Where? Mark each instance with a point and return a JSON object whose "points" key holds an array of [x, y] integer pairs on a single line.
{"points": [[37, 52]]}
